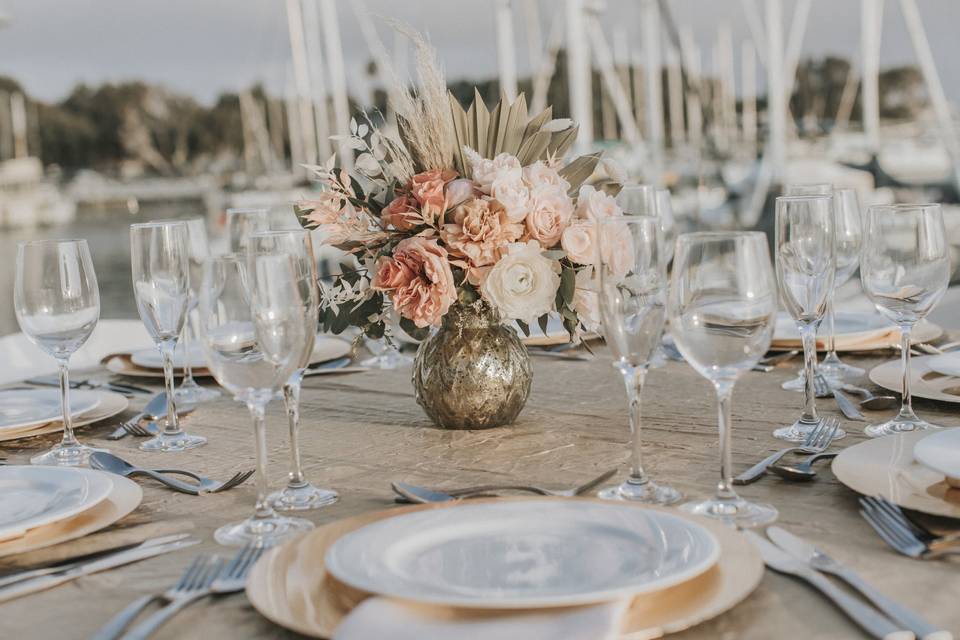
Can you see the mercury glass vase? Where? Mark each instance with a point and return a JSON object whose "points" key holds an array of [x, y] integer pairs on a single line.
{"points": [[473, 373]]}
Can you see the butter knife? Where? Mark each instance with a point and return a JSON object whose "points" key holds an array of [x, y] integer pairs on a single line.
{"points": [[871, 620], [817, 559], [846, 406], [43, 582]]}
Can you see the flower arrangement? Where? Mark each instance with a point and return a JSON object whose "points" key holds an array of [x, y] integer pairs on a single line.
{"points": [[459, 206]]}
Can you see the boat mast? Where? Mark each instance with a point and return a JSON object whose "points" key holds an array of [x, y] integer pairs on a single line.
{"points": [[506, 56], [578, 75]]}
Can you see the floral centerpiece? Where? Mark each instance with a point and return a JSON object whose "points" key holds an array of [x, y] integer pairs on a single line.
{"points": [[460, 210]]}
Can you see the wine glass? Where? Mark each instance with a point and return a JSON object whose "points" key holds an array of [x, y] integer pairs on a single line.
{"points": [[242, 223], [806, 254], [253, 333], [848, 228], [722, 305], [905, 269], [57, 303], [197, 252], [161, 286], [299, 494], [668, 225], [632, 300]]}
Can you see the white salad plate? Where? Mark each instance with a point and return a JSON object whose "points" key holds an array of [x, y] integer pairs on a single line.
{"points": [[34, 496], [510, 555], [847, 325], [151, 358], [940, 451], [21, 408]]}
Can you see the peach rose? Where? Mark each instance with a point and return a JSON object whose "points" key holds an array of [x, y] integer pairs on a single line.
{"points": [[550, 213], [477, 231], [401, 213], [579, 240], [538, 174], [418, 279], [427, 188], [514, 195], [586, 300], [459, 191], [594, 204]]}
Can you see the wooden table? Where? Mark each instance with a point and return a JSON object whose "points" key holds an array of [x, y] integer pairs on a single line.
{"points": [[361, 431]]}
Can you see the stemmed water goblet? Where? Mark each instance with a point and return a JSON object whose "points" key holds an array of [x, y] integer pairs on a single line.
{"points": [[198, 251], [244, 222], [848, 228], [722, 305], [253, 334], [905, 269], [57, 304], [806, 256], [161, 286], [632, 300], [299, 494]]}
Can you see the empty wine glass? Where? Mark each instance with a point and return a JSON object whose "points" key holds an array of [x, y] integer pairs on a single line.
{"points": [[806, 253], [905, 269], [57, 303], [299, 494], [161, 286], [198, 250], [668, 225], [253, 334], [632, 301], [848, 228], [244, 222], [722, 305]]}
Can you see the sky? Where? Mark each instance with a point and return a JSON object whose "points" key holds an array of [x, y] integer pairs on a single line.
{"points": [[205, 47]]}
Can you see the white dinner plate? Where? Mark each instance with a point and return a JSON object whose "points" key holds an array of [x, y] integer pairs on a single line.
{"points": [[848, 325], [940, 451], [151, 358], [510, 555], [33, 496], [21, 408], [948, 364]]}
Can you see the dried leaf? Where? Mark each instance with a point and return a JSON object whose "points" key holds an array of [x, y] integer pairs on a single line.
{"points": [[493, 131], [561, 142], [558, 125], [537, 122], [578, 171], [482, 123], [533, 148]]}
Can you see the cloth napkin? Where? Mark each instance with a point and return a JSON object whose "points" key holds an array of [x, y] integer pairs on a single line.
{"points": [[380, 617]]}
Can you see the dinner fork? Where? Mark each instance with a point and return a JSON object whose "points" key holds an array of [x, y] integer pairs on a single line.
{"points": [[903, 535], [407, 491], [817, 441], [231, 579]]}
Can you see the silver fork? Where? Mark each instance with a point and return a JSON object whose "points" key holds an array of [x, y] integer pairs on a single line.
{"points": [[208, 485], [231, 579], [488, 488], [136, 429], [903, 536], [816, 441]]}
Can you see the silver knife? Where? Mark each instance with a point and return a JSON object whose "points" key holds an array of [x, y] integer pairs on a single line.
{"points": [[817, 559], [846, 406], [871, 620], [40, 583]]}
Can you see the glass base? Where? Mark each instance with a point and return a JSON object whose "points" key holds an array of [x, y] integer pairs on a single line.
{"points": [[736, 512], [658, 359], [192, 393], [263, 532], [905, 422], [76, 455], [167, 443], [647, 493], [388, 359], [799, 430], [835, 369], [301, 498]]}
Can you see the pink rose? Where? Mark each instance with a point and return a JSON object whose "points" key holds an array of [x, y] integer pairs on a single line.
{"points": [[427, 188], [538, 174], [401, 213], [459, 191], [477, 231], [579, 240], [550, 213], [418, 279]]}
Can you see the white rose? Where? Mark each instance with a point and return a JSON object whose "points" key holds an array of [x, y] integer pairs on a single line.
{"points": [[594, 205], [586, 300], [485, 172], [513, 195], [616, 248], [523, 284], [579, 241], [538, 174]]}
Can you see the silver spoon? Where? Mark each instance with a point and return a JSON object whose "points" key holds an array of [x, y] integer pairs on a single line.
{"points": [[870, 401], [800, 472]]}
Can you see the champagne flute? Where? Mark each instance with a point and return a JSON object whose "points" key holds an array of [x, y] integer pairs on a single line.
{"points": [[299, 494], [253, 334], [244, 222], [198, 250], [848, 228], [632, 300], [161, 286], [905, 269], [722, 305], [806, 258], [57, 303]]}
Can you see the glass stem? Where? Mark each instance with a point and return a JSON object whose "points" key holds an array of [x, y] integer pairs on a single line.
{"points": [[172, 427], [633, 378], [188, 380], [724, 395], [831, 335], [257, 412], [69, 440], [808, 334], [906, 405], [291, 400]]}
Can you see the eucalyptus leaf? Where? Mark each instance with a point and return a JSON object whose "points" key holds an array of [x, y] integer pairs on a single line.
{"points": [[412, 330], [543, 321], [568, 285], [524, 327]]}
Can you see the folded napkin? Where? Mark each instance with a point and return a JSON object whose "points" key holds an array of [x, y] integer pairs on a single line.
{"points": [[380, 617]]}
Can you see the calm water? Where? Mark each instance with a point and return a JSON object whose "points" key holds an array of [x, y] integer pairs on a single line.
{"points": [[109, 240]]}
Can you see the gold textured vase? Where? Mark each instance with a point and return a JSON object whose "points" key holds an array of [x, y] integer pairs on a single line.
{"points": [[474, 373]]}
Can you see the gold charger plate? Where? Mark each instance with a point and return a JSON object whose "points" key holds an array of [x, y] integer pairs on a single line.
{"points": [[290, 587], [924, 381], [885, 466], [110, 405], [925, 331], [123, 498]]}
